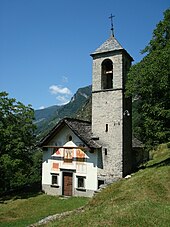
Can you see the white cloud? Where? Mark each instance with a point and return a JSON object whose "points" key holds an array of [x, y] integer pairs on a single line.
{"points": [[63, 94], [62, 99], [57, 89], [41, 107]]}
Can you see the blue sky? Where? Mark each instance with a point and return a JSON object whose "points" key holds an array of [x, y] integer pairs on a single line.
{"points": [[45, 45]]}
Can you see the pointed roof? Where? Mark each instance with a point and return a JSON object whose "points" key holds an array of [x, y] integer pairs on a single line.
{"points": [[110, 44], [81, 128]]}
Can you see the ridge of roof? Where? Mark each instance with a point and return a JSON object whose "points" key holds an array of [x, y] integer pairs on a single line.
{"points": [[75, 119]]}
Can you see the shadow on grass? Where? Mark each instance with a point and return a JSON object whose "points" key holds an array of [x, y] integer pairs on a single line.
{"points": [[165, 162], [24, 192]]}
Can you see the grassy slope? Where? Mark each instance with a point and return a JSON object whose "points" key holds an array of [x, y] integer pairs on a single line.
{"points": [[142, 200], [23, 210]]}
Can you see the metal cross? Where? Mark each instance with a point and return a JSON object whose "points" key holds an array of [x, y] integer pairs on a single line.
{"points": [[111, 20]]}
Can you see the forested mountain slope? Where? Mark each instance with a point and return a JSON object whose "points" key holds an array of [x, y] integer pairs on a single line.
{"points": [[46, 118]]}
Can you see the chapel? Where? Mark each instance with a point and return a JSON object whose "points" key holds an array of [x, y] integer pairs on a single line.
{"points": [[80, 156]]}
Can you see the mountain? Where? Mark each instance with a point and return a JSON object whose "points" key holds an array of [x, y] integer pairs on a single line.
{"points": [[46, 118], [80, 107], [85, 112]]}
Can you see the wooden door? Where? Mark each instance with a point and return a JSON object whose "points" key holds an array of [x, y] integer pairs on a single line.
{"points": [[67, 183]]}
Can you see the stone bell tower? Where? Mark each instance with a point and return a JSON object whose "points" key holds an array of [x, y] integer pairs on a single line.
{"points": [[111, 110]]}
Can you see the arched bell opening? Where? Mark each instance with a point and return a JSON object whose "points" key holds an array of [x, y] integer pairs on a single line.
{"points": [[107, 74]]}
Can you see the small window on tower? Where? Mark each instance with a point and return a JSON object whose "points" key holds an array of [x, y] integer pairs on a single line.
{"points": [[107, 128], [105, 151]]}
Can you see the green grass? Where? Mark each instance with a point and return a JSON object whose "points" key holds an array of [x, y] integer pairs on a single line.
{"points": [[143, 200], [26, 209]]}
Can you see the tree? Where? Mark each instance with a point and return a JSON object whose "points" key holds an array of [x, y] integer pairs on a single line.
{"points": [[148, 83], [17, 142]]}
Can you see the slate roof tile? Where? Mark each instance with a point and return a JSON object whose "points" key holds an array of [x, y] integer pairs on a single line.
{"points": [[110, 44]]}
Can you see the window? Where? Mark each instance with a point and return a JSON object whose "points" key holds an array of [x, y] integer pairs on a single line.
{"points": [[70, 138], [54, 180], [105, 151], [107, 74], [107, 128], [81, 182], [100, 182]]}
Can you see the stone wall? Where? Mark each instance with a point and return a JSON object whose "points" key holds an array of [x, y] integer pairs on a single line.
{"points": [[50, 190], [109, 122], [111, 139]]}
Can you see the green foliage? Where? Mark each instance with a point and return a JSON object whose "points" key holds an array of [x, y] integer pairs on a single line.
{"points": [[17, 142], [148, 83], [36, 168], [85, 113], [161, 34], [159, 155]]}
